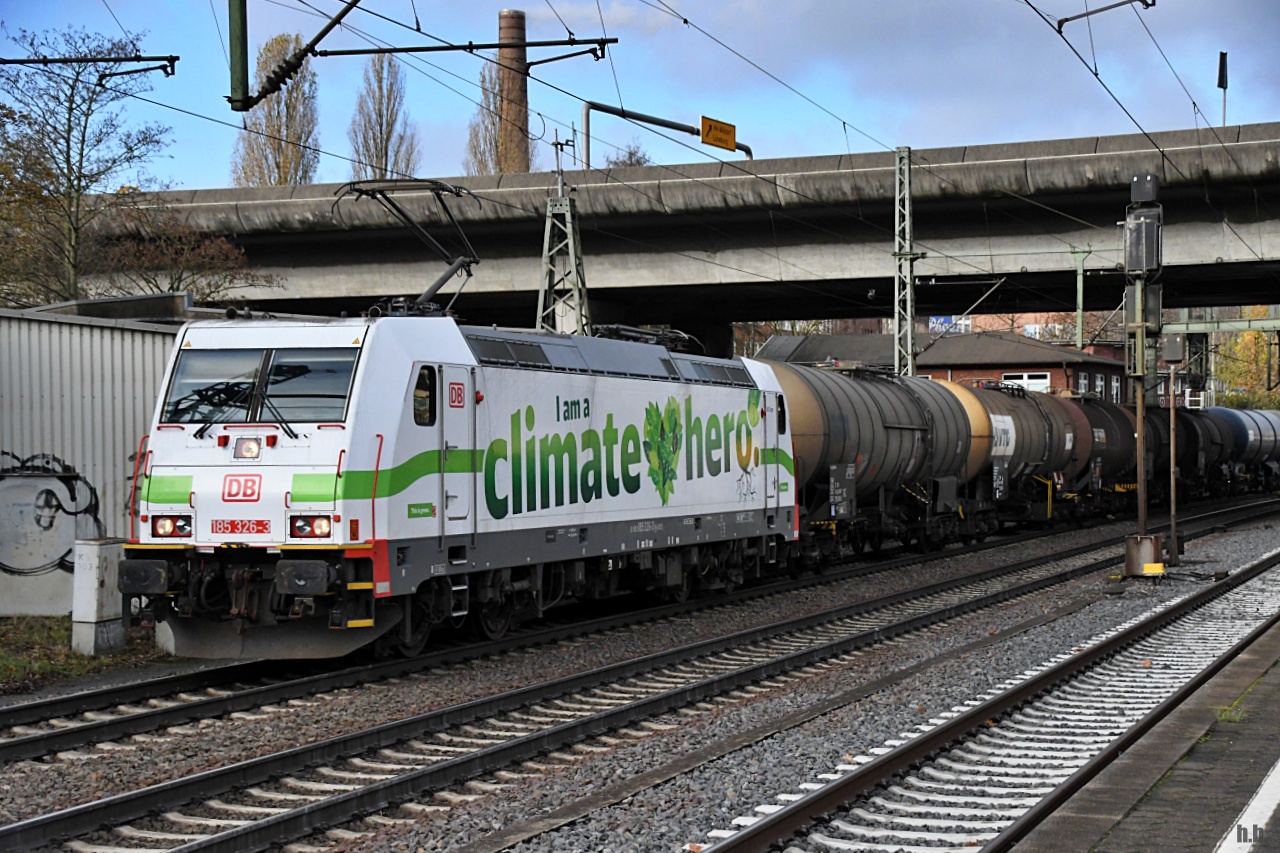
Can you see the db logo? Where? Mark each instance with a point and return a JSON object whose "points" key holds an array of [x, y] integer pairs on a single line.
{"points": [[457, 395], [242, 487]]}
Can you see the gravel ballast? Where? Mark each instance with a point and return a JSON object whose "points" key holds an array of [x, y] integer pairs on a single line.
{"points": [[673, 814]]}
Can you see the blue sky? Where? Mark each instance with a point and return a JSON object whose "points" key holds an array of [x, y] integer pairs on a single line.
{"points": [[867, 74]]}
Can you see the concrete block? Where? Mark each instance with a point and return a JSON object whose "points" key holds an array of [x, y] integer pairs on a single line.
{"points": [[95, 597], [97, 638]]}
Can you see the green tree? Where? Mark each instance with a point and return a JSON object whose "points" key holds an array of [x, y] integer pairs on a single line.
{"points": [[66, 136], [280, 143], [383, 142], [1241, 365]]}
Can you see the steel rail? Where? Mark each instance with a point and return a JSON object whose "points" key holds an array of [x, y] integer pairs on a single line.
{"points": [[44, 743], [1036, 815], [273, 830], [333, 810], [809, 809], [23, 713]]}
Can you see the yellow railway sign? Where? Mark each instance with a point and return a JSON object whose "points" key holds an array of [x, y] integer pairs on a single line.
{"points": [[719, 134]]}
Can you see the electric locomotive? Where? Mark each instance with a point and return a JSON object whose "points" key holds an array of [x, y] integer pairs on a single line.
{"points": [[310, 488]]}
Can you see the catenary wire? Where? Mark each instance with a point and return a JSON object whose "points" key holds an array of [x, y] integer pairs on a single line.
{"points": [[1165, 158], [373, 40], [128, 36], [617, 87], [217, 26], [775, 184]]}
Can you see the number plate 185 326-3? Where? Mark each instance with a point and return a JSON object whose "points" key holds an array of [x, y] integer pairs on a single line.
{"points": [[240, 526]]}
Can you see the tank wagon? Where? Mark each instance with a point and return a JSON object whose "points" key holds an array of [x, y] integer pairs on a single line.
{"points": [[310, 488], [926, 462]]}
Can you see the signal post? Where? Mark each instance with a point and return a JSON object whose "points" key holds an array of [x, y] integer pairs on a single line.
{"points": [[1144, 219]]}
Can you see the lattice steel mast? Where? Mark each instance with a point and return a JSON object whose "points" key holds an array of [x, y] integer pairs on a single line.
{"points": [[562, 300], [904, 276]]}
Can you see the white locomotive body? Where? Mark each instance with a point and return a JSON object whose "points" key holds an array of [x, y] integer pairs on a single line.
{"points": [[310, 488]]}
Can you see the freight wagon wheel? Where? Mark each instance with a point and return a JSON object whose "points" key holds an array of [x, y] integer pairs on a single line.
{"points": [[875, 541]]}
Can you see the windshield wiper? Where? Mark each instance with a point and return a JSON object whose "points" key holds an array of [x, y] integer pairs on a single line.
{"points": [[227, 407], [284, 425]]}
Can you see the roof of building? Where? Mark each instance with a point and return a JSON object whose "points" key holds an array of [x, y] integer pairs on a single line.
{"points": [[980, 349], [147, 312]]}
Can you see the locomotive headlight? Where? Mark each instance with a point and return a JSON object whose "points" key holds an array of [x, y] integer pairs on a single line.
{"points": [[310, 526], [171, 525], [247, 448]]}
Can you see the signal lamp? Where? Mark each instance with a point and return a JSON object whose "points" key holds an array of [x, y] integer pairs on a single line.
{"points": [[168, 526], [310, 526]]}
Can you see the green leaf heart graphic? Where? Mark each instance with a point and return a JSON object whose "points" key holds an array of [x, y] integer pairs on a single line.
{"points": [[753, 407], [662, 438]]}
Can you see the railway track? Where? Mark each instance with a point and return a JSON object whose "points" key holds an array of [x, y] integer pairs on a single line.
{"points": [[984, 774], [265, 801], [35, 729]]}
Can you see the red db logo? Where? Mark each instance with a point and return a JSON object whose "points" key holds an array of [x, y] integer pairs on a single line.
{"points": [[241, 487], [457, 395]]}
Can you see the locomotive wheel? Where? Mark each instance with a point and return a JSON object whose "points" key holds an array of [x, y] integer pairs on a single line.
{"points": [[493, 619], [680, 594], [420, 614]]}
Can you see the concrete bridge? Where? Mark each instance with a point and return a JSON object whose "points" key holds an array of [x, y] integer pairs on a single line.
{"points": [[703, 244]]}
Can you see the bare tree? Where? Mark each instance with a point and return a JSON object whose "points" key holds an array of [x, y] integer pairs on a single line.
{"points": [[383, 143], [628, 155], [160, 254], [67, 135], [482, 133], [279, 145]]}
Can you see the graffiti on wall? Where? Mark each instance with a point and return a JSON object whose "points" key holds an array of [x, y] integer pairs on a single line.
{"points": [[45, 506]]}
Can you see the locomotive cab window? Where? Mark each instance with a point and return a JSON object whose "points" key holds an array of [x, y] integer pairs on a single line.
{"points": [[424, 397], [308, 385], [260, 385], [782, 415]]}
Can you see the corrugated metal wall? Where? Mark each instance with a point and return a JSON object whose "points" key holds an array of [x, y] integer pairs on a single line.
{"points": [[82, 390]]}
